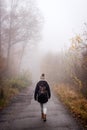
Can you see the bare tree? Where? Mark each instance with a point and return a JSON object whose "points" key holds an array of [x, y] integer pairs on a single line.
{"points": [[21, 24]]}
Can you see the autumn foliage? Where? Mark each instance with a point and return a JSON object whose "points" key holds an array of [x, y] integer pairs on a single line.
{"points": [[67, 72]]}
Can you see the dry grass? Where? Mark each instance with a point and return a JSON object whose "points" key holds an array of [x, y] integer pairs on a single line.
{"points": [[8, 94], [74, 100], [11, 87]]}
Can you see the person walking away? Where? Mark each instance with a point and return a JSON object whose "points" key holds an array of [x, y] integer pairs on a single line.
{"points": [[42, 94]]}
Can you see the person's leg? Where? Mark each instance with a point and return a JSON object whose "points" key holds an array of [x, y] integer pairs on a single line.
{"points": [[44, 111], [45, 108], [41, 105]]}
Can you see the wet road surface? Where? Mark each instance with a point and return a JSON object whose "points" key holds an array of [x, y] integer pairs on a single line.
{"points": [[24, 114]]}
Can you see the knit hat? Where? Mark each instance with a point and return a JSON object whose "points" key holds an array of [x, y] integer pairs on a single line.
{"points": [[42, 76]]}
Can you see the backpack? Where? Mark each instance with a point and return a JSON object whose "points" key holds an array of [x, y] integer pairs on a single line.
{"points": [[42, 94]]}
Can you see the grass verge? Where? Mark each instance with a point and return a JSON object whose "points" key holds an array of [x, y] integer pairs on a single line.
{"points": [[76, 103], [11, 87]]}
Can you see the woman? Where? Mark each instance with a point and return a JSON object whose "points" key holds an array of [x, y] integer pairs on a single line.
{"points": [[42, 94]]}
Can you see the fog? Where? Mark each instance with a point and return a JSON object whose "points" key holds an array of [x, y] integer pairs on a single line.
{"points": [[34, 29], [62, 20], [43, 36]]}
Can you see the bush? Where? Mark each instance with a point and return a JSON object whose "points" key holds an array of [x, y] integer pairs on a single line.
{"points": [[11, 87]]}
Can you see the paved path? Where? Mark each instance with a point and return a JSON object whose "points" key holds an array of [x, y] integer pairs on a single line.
{"points": [[24, 114]]}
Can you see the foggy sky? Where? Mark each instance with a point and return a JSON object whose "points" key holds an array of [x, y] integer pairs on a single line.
{"points": [[62, 20]]}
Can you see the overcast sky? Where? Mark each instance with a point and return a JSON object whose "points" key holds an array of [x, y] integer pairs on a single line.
{"points": [[63, 19]]}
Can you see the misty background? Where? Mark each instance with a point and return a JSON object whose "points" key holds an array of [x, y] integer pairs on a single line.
{"points": [[44, 36]]}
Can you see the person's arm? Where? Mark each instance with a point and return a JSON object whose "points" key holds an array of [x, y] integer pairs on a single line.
{"points": [[36, 92], [48, 89]]}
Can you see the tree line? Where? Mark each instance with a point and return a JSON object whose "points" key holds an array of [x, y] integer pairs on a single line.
{"points": [[20, 25], [70, 65]]}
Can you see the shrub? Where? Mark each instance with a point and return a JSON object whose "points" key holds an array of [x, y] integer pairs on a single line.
{"points": [[11, 87]]}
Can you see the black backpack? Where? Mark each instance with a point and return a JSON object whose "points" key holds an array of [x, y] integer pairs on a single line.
{"points": [[42, 94]]}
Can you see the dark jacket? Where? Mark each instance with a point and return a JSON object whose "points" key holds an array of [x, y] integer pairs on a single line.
{"points": [[44, 82]]}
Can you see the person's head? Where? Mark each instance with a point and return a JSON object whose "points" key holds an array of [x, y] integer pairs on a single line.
{"points": [[42, 76]]}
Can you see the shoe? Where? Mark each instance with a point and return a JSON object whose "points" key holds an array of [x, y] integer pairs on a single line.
{"points": [[44, 119]]}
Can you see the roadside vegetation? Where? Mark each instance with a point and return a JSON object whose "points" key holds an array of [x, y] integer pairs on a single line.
{"points": [[67, 71], [74, 100], [20, 26], [11, 87]]}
